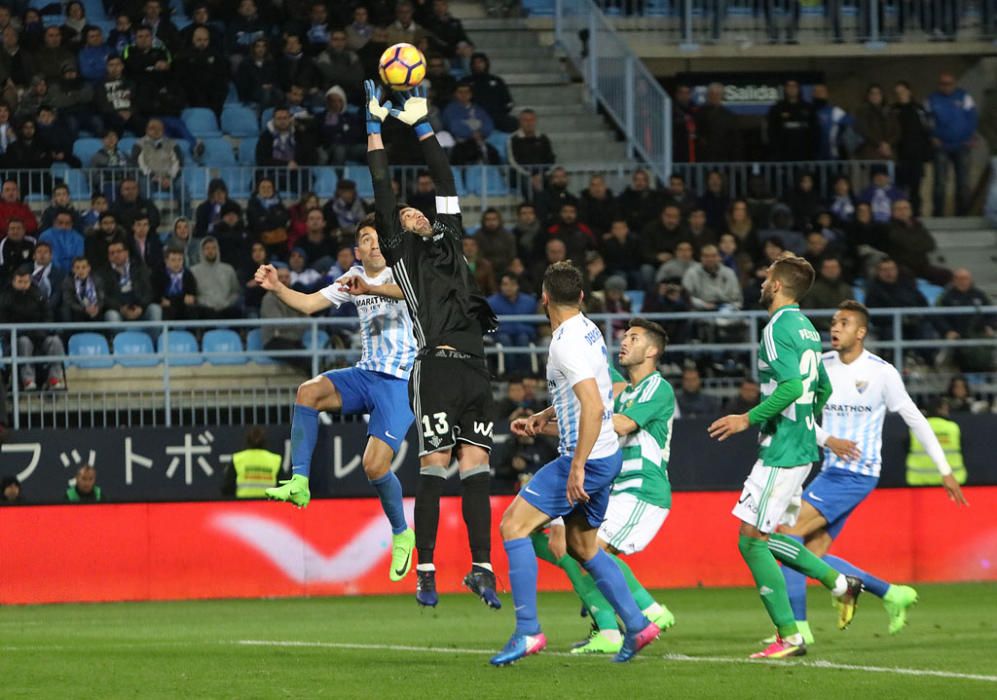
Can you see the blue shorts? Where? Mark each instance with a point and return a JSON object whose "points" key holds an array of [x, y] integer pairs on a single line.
{"points": [[382, 396], [835, 493], [547, 491]]}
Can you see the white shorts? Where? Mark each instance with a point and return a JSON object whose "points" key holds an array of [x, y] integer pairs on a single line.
{"points": [[631, 523], [772, 496]]}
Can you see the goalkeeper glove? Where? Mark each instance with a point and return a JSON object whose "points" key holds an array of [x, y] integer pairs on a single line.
{"points": [[376, 112], [415, 111]]}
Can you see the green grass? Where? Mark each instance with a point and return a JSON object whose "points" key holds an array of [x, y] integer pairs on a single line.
{"points": [[191, 649]]}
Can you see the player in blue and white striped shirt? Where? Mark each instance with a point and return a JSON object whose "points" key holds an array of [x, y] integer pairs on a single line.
{"points": [[377, 385], [864, 387]]}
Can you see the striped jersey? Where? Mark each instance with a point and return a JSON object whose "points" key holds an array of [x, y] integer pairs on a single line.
{"points": [[863, 391], [790, 350], [578, 352], [385, 326], [651, 405]]}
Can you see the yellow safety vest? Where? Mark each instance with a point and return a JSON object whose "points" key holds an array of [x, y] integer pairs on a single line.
{"points": [[255, 471], [921, 471]]}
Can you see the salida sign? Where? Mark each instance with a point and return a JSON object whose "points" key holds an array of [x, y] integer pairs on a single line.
{"points": [[748, 93]]}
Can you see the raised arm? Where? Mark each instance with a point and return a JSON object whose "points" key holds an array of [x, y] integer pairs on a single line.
{"points": [[389, 230], [415, 113], [266, 277]]}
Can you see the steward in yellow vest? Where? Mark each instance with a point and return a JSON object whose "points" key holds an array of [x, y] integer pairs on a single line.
{"points": [[253, 469], [921, 468]]}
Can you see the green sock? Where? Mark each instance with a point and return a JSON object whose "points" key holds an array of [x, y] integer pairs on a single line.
{"points": [[770, 582], [792, 553], [640, 594], [594, 601]]}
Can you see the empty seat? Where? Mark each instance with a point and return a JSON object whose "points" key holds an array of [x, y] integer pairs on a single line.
{"points": [[315, 341], [77, 182], [201, 122], [361, 175], [181, 347], [129, 343], [89, 351], [239, 121], [218, 151], [84, 149], [247, 150], [223, 340], [254, 344], [485, 180], [195, 179], [325, 182], [499, 140], [930, 291], [265, 117], [238, 180], [636, 297]]}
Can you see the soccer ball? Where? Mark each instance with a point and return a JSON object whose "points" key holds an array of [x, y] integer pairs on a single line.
{"points": [[402, 67]]}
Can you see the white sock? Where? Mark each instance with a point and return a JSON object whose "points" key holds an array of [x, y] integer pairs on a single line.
{"points": [[840, 586], [484, 565], [613, 636], [652, 610], [425, 567]]}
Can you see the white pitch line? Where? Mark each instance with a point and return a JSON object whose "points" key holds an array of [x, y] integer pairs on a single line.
{"points": [[666, 657]]}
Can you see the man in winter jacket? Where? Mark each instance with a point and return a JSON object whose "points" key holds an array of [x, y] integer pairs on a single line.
{"points": [[955, 121], [792, 126], [914, 147]]}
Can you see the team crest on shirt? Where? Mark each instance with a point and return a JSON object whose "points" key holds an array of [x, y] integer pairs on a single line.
{"points": [[861, 385]]}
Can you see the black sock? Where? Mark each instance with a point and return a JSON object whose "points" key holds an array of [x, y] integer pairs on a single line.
{"points": [[427, 515], [477, 510]]}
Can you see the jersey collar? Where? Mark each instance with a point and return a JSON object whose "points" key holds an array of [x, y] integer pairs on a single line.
{"points": [[786, 306], [642, 382]]}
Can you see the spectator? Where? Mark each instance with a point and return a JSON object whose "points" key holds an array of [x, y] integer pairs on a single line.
{"points": [[245, 30], [681, 196], [144, 245], [344, 261], [163, 30], [11, 207], [914, 147], [674, 269], [280, 144], [792, 126], [29, 153], [268, 217], [10, 488], [32, 99], [698, 231], [370, 53], [128, 288], [204, 72], [714, 201], [888, 290], [782, 227], [129, 206], [527, 228], [519, 402], [622, 254], [256, 77], [61, 201], [690, 399], [828, 291], [319, 247], [66, 242], [510, 301], [404, 29], [747, 398], [209, 212], [659, 238], [718, 138], [360, 30], [598, 206], [481, 269], [341, 131], [963, 292], [667, 297], [498, 246], [446, 34], [470, 125], [442, 83], [639, 202], [804, 202], [283, 337], [232, 235], [108, 156], [876, 123], [218, 287], [200, 17], [955, 122], [909, 244], [554, 251], [842, 202], [82, 294], [73, 98], [123, 34], [832, 123], [595, 271], [519, 458], [175, 287], [49, 59], [710, 284], [730, 253], [19, 61], [867, 238], [85, 490], [616, 301], [93, 56], [491, 93], [158, 158], [23, 303], [548, 202], [317, 30], [816, 248], [684, 144], [961, 400], [182, 239], [303, 278], [16, 249], [529, 149], [55, 138], [115, 99], [251, 290], [145, 57], [96, 241], [46, 276], [576, 236], [7, 130], [339, 65]]}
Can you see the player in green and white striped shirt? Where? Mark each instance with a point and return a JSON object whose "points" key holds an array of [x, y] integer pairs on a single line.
{"points": [[641, 496]]}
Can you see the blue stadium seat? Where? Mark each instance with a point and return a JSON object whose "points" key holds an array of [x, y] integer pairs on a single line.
{"points": [[325, 182], [232, 98], [265, 117], [247, 150], [361, 175], [94, 10], [930, 291], [180, 343], [254, 344], [858, 293], [84, 150], [195, 179], [76, 180], [223, 340], [481, 180], [90, 351], [201, 122], [128, 343], [458, 179], [239, 121], [636, 297], [126, 144], [218, 151], [238, 179], [316, 341], [499, 140]]}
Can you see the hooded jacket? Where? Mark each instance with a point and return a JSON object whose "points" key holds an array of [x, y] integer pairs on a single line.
{"points": [[217, 284]]}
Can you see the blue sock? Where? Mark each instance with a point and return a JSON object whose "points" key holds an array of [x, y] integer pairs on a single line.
{"points": [[523, 579], [389, 490], [304, 435], [876, 586], [611, 583], [796, 588]]}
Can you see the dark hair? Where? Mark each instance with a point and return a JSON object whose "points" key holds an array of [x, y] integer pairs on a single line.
{"points": [[78, 258], [511, 275], [256, 438], [14, 219], [43, 244], [369, 221], [60, 186], [526, 205], [172, 250], [795, 273], [855, 307], [563, 284], [23, 270], [655, 333], [904, 83], [117, 241]]}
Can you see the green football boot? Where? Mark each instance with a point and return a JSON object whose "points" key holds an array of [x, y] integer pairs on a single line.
{"points": [[663, 618], [896, 601], [598, 643], [294, 490], [401, 554]]}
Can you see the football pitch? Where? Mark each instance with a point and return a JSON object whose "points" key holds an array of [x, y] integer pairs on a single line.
{"points": [[385, 647]]}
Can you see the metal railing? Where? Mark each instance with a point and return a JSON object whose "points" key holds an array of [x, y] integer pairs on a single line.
{"points": [[692, 23], [250, 397], [617, 81]]}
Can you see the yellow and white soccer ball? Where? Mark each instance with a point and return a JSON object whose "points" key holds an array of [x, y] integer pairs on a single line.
{"points": [[402, 67]]}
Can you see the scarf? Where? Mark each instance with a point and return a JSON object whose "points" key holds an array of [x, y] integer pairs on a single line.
{"points": [[176, 283], [268, 202], [86, 292]]}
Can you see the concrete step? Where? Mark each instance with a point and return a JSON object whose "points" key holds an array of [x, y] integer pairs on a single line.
{"points": [[475, 24], [550, 78], [580, 136], [957, 223], [531, 53], [511, 66], [986, 240], [589, 153], [468, 11], [504, 38], [532, 95]]}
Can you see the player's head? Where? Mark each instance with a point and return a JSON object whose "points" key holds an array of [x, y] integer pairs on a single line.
{"points": [[562, 286], [644, 342], [368, 248], [788, 279], [415, 221], [849, 326]]}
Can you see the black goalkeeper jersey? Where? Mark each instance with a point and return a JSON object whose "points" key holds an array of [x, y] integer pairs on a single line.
{"points": [[446, 306]]}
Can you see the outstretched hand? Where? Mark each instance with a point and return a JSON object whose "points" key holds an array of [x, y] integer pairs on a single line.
{"points": [[415, 106], [376, 112], [266, 277]]}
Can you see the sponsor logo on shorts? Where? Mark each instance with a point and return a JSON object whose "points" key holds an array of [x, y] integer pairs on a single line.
{"points": [[748, 502], [815, 497]]}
